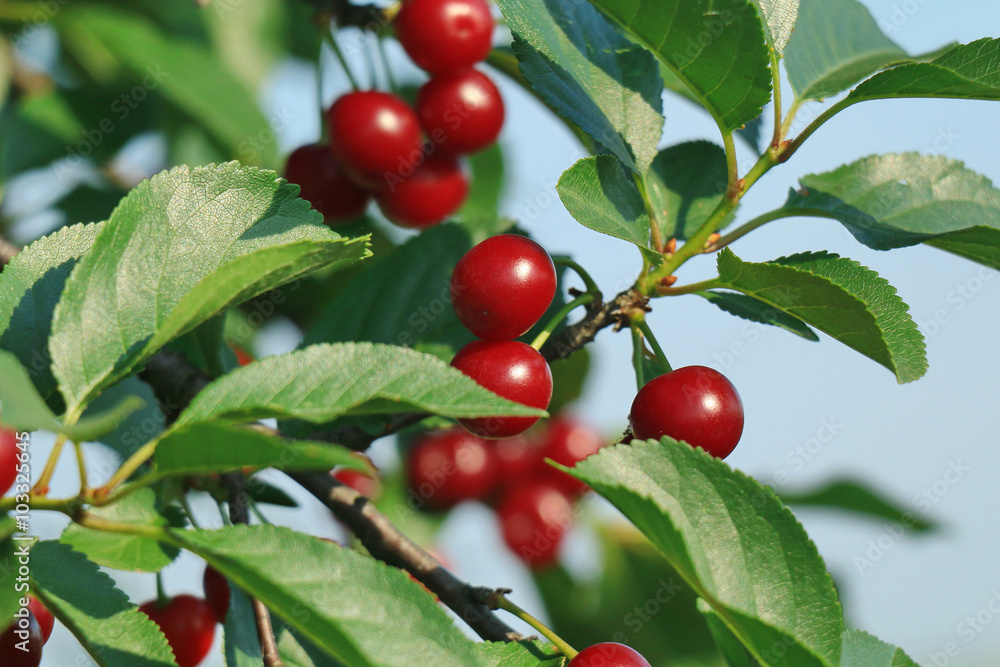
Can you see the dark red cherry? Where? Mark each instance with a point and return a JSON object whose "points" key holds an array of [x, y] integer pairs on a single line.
{"points": [[534, 518], [461, 113], [446, 467], [568, 442], [366, 485], [25, 632], [608, 655], [445, 35], [323, 183], [436, 189], [188, 623], [46, 622], [217, 592]]}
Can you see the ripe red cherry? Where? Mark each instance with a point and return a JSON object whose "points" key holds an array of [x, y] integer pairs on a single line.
{"points": [[517, 458], [568, 442], [445, 35], [8, 460], [695, 404], [44, 617], [323, 183], [366, 485], [534, 518], [435, 190], [376, 135], [447, 467], [216, 592], [189, 625], [608, 655], [242, 356], [503, 286], [510, 369], [461, 113], [10, 655]]}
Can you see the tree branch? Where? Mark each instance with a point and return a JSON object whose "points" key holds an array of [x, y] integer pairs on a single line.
{"points": [[600, 315]]}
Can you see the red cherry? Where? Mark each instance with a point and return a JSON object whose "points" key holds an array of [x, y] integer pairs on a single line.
{"points": [[189, 625], [447, 467], [510, 369], [568, 442], [445, 35], [366, 485], [695, 404], [534, 518], [8, 460], [242, 356], [461, 113], [44, 617], [10, 654], [216, 592], [435, 190], [608, 655], [323, 183], [503, 286], [517, 458], [376, 135]]}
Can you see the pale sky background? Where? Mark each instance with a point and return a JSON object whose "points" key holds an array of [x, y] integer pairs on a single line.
{"points": [[920, 589]]}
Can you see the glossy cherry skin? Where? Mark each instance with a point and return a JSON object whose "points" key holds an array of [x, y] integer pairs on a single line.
{"points": [[510, 369], [375, 135], [217, 592], [324, 184], [461, 113], [10, 655], [44, 617], [534, 518], [366, 485], [502, 286], [608, 655], [8, 460], [568, 442], [695, 404], [189, 625], [436, 189], [445, 35], [447, 467]]}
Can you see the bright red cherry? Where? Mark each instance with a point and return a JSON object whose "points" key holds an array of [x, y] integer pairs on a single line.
{"points": [[534, 518], [366, 485], [435, 190], [447, 467], [461, 113], [216, 592], [22, 630], [8, 460], [510, 369], [608, 655], [189, 625], [503, 286], [44, 617], [695, 404], [517, 458], [568, 442], [242, 356], [376, 135], [323, 183], [445, 35]]}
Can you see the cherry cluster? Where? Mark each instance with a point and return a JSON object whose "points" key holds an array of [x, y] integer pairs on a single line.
{"points": [[409, 159], [31, 628]]}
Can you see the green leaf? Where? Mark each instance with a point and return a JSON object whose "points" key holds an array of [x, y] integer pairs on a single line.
{"points": [[38, 129], [518, 654], [241, 643], [144, 282], [836, 44], [323, 382], [124, 551], [839, 297], [87, 203], [733, 651], [204, 448], [601, 195], [863, 650], [140, 427], [84, 599], [479, 213], [569, 376], [751, 309], [896, 200], [858, 498], [590, 74], [30, 287], [402, 297], [337, 598], [732, 541], [297, 651], [779, 20], [685, 185], [10, 597], [980, 244], [262, 492], [720, 53]]}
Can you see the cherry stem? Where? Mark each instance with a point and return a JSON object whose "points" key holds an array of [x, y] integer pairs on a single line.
{"points": [[563, 313], [508, 606], [161, 594], [588, 282], [390, 79], [81, 464], [661, 358], [186, 506], [41, 487], [331, 39], [637, 355]]}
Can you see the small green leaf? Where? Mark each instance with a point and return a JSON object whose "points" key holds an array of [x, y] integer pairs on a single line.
{"points": [[601, 195], [685, 184], [839, 297], [339, 599], [719, 53], [751, 309], [856, 497], [979, 244], [84, 599], [262, 492], [518, 654], [590, 74], [863, 650], [242, 645], [323, 382], [735, 654], [732, 541], [779, 20], [123, 551]]}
